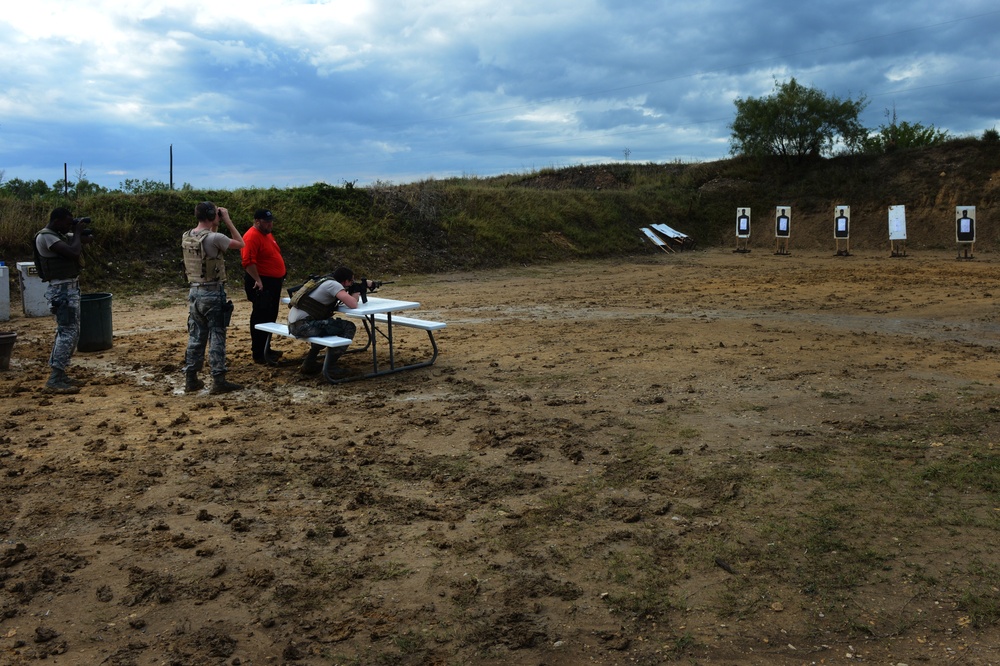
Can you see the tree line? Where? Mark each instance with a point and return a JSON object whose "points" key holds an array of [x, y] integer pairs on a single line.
{"points": [[18, 188]]}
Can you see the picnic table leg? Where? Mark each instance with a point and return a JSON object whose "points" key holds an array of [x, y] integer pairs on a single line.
{"points": [[388, 335], [373, 340], [388, 327], [434, 347]]}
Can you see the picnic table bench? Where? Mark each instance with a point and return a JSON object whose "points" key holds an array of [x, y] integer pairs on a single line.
{"points": [[378, 315]]}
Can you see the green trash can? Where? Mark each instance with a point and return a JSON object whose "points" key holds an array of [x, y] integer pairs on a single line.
{"points": [[95, 322]]}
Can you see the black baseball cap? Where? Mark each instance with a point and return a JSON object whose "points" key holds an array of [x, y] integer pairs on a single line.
{"points": [[263, 214]]}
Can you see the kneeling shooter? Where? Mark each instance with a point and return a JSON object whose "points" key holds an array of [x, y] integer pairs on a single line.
{"points": [[312, 310]]}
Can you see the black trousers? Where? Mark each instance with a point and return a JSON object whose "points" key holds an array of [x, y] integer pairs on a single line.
{"points": [[266, 303]]}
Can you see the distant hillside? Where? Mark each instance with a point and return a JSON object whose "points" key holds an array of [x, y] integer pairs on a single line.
{"points": [[544, 216], [929, 182]]}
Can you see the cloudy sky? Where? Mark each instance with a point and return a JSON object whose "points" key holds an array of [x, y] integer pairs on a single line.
{"points": [[256, 93]]}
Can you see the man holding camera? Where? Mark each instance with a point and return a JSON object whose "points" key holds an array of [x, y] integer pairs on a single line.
{"points": [[311, 314], [58, 259], [208, 308], [264, 273]]}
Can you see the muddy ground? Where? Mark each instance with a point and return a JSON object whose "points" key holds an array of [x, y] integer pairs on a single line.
{"points": [[700, 458]]}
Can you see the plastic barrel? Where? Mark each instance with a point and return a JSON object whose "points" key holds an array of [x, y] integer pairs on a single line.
{"points": [[95, 322]]}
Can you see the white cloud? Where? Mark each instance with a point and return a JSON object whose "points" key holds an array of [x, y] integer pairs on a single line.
{"points": [[907, 71], [455, 85]]}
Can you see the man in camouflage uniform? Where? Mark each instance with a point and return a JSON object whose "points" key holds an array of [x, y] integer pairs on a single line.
{"points": [[208, 307], [58, 259]]}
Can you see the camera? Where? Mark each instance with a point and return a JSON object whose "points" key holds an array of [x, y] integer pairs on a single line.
{"points": [[81, 221]]}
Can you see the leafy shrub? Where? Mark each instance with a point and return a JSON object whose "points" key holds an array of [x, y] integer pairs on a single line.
{"points": [[900, 135]]}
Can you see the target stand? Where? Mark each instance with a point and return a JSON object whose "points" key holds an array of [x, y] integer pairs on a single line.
{"points": [[782, 229], [842, 230], [742, 230], [965, 231]]}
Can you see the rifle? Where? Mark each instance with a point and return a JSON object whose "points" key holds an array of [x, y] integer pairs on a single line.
{"points": [[361, 288]]}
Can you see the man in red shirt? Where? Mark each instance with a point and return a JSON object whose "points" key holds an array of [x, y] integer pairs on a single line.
{"points": [[264, 275]]}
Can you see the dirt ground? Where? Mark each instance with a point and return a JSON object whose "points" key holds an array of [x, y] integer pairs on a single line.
{"points": [[701, 458]]}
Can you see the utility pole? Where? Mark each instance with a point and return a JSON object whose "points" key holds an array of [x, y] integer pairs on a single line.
{"points": [[171, 167]]}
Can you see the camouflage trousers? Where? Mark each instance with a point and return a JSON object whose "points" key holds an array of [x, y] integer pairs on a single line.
{"points": [[206, 327], [64, 302], [321, 328]]}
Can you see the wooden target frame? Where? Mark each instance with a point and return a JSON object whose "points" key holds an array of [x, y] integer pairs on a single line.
{"points": [[897, 231], [842, 230], [782, 229], [965, 231], [742, 230]]}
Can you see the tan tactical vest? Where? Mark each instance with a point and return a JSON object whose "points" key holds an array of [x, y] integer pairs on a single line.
{"points": [[198, 266], [303, 300]]}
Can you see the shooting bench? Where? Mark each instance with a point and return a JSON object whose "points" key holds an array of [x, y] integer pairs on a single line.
{"points": [[378, 324], [655, 240], [680, 240], [668, 239]]}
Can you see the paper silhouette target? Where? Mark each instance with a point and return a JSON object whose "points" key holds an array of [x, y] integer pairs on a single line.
{"points": [[965, 224], [783, 222], [842, 222], [743, 223]]}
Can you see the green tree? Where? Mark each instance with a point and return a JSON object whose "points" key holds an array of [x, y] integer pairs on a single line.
{"points": [[23, 189], [796, 122], [86, 188], [898, 135], [144, 186]]}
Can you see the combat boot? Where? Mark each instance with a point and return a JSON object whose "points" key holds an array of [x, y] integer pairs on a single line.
{"points": [[220, 385], [60, 383], [74, 382], [311, 364], [192, 383]]}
